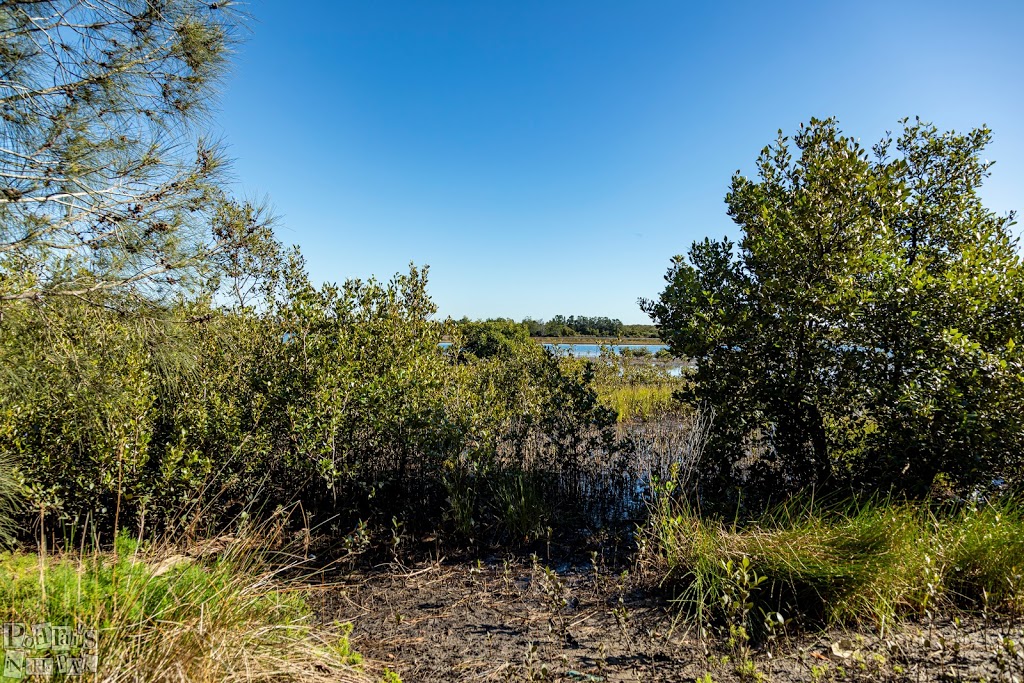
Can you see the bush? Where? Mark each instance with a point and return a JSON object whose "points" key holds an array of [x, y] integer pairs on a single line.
{"points": [[341, 397]]}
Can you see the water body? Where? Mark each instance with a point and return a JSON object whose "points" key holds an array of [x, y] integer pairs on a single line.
{"points": [[594, 350], [675, 367]]}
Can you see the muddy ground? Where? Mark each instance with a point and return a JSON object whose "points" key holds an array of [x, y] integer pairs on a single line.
{"points": [[519, 620]]}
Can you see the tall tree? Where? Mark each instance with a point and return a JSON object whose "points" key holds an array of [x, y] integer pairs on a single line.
{"points": [[866, 325], [106, 179]]}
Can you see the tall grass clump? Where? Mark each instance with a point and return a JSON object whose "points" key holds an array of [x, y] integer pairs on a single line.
{"points": [[872, 562], [984, 555], [10, 501], [161, 617]]}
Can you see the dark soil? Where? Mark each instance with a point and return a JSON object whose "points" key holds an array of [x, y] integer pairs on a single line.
{"points": [[515, 620]]}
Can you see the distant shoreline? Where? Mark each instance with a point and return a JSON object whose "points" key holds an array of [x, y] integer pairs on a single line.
{"points": [[616, 341]]}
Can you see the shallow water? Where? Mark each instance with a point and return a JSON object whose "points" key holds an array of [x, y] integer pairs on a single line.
{"points": [[593, 350]]}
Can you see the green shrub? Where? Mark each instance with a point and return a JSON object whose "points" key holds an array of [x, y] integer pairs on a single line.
{"points": [[341, 397]]}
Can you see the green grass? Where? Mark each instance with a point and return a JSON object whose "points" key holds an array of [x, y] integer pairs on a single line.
{"points": [[10, 501], [638, 402], [229, 619], [521, 508], [868, 563]]}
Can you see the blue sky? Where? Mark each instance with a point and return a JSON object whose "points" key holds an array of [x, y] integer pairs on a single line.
{"points": [[550, 157]]}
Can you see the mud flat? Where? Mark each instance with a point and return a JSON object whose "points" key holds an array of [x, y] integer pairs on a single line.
{"points": [[516, 620]]}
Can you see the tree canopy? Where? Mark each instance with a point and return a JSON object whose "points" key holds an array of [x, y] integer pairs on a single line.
{"points": [[106, 178], [866, 326]]}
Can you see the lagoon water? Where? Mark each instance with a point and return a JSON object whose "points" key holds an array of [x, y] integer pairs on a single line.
{"points": [[593, 350]]}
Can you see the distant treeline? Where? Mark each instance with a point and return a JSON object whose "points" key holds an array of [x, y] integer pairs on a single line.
{"points": [[579, 326]]}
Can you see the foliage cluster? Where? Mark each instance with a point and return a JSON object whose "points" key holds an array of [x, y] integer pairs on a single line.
{"points": [[342, 397], [586, 326], [544, 431], [108, 179], [865, 329], [573, 326], [561, 326]]}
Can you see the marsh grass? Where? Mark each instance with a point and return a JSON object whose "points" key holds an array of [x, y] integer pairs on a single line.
{"points": [[869, 563], [638, 402], [170, 617], [637, 384]]}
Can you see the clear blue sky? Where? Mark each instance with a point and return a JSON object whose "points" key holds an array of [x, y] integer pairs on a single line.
{"points": [[550, 157]]}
